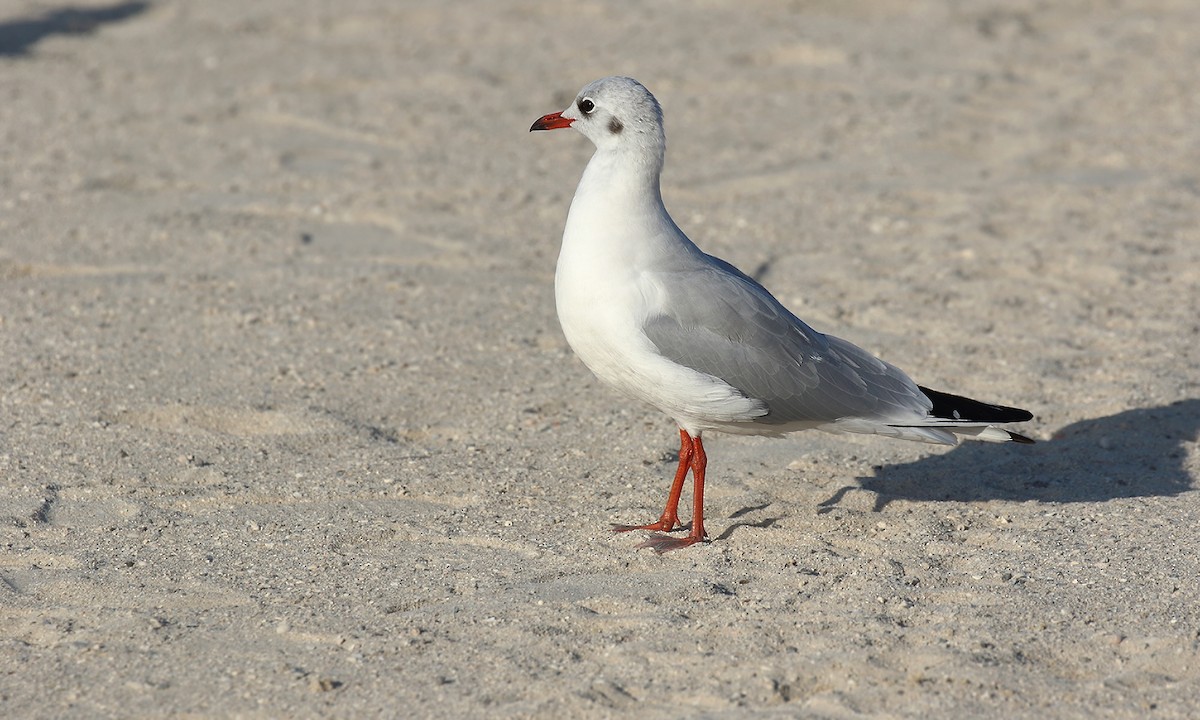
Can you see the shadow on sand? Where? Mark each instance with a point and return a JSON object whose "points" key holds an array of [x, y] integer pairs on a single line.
{"points": [[1137, 453], [18, 36]]}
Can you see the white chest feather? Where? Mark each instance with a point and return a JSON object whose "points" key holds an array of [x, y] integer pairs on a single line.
{"points": [[605, 292]]}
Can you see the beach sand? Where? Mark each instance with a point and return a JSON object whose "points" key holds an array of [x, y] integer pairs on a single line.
{"points": [[288, 427]]}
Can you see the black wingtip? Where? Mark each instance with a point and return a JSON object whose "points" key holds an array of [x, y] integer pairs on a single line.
{"points": [[956, 407], [1018, 438]]}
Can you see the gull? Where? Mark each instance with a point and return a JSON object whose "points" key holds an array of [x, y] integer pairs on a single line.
{"points": [[654, 316]]}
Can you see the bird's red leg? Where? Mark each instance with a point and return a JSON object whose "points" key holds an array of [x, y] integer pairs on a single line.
{"points": [[670, 514], [664, 543], [699, 465]]}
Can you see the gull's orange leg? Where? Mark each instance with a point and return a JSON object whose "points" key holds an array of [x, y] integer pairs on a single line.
{"points": [[665, 543], [669, 519]]}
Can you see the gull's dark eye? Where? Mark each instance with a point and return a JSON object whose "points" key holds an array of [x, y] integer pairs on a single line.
{"points": [[586, 106]]}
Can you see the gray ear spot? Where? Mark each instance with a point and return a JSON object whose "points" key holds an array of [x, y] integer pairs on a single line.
{"points": [[615, 127]]}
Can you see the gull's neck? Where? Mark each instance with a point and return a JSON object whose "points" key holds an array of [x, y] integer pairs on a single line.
{"points": [[618, 215], [624, 174]]}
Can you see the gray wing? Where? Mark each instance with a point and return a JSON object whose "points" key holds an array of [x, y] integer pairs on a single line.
{"points": [[718, 321]]}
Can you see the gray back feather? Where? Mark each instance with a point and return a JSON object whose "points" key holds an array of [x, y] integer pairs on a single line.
{"points": [[723, 323]]}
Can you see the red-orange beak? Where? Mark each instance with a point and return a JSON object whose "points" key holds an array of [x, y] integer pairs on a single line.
{"points": [[553, 121]]}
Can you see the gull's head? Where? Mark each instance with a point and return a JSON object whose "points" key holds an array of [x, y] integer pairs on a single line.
{"points": [[613, 112]]}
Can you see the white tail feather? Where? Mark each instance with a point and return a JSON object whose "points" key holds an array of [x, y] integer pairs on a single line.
{"points": [[939, 432]]}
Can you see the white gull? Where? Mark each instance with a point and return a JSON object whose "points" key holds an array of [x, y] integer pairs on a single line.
{"points": [[660, 320]]}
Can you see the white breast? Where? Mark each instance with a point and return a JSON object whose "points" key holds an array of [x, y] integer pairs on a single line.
{"points": [[604, 293]]}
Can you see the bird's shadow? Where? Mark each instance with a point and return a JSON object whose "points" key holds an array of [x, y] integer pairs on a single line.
{"points": [[1137, 453], [762, 524], [19, 35]]}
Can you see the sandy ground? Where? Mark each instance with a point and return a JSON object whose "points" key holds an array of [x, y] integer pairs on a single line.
{"points": [[288, 427]]}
